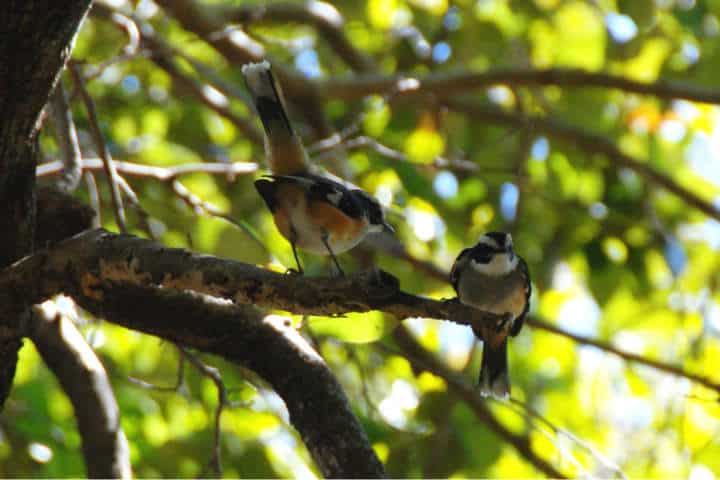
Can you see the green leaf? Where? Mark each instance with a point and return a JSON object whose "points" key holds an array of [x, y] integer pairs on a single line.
{"points": [[355, 327]]}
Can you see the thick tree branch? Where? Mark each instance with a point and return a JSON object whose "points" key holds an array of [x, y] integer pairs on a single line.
{"points": [[589, 142], [318, 407], [95, 260], [86, 384], [98, 259], [447, 84], [36, 41]]}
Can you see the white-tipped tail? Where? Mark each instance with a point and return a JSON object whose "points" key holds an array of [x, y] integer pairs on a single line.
{"points": [[259, 78], [284, 149]]}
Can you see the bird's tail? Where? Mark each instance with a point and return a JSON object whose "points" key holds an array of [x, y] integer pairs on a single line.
{"points": [[285, 151], [494, 378]]}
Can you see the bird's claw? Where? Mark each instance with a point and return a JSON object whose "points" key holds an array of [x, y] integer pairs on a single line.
{"points": [[503, 322]]}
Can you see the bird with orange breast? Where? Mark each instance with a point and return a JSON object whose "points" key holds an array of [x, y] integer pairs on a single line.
{"points": [[312, 211]]}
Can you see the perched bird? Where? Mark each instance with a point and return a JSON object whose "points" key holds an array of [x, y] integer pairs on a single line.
{"points": [[315, 212], [492, 278]]}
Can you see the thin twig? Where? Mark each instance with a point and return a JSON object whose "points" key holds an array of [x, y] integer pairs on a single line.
{"points": [[441, 275], [239, 49], [631, 357], [169, 175], [600, 457], [131, 48], [200, 206], [210, 96], [94, 198], [424, 360], [224, 86], [214, 375], [101, 147], [179, 377], [66, 135], [165, 174], [589, 142], [438, 162], [323, 16]]}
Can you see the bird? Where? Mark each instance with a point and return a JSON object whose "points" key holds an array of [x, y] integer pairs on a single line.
{"points": [[316, 212], [492, 278]]}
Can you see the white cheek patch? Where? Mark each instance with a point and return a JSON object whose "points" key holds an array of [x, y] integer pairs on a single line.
{"points": [[501, 264], [335, 198], [374, 227]]}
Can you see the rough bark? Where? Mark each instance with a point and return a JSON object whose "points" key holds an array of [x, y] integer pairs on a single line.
{"points": [[95, 261], [318, 407], [35, 41], [84, 380]]}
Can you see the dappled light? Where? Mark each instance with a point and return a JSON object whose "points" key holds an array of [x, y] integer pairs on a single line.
{"points": [[227, 344]]}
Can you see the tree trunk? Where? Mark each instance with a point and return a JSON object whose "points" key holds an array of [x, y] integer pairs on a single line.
{"points": [[35, 41]]}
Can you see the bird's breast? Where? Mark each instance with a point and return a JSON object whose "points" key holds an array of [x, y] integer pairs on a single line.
{"points": [[499, 295], [312, 220]]}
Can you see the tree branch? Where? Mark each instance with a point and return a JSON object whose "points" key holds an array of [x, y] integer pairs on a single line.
{"points": [[630, 357], [424, 360], [66, 135], [447, 84], [101, 147], [438, 274], [318, 407], [591, 143], [206, 94], [83, 378], [97, 259], [323, 16], [165, 174], [239, 49]]}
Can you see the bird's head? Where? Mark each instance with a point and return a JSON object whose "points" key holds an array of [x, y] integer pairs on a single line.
{"points": [[372, 211]]}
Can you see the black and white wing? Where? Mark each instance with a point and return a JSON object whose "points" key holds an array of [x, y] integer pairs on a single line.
{"points": [[323, 189], [461, 262], [518, 323]]}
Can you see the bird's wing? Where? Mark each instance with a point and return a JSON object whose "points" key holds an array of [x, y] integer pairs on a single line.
{"points": [[458, 265], [518, 323]]}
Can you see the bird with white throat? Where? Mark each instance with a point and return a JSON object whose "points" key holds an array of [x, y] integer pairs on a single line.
{"points": [[492, 278]]}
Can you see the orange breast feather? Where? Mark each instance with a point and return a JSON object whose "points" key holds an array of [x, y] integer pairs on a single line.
{"points": [[340, 226]]}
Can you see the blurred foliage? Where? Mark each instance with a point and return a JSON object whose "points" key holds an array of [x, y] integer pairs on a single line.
{"points": [[613, 256]]}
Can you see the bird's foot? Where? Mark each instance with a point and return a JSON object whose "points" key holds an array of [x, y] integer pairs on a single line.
{"points": [[503, 322]]}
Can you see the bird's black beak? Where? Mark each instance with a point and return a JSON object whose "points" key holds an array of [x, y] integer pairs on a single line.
{"points": [[387, 228]]}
